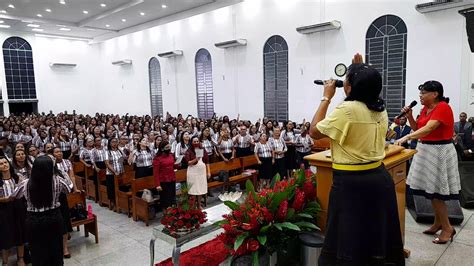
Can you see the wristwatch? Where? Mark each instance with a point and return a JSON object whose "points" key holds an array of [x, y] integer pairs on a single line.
{"points": [[324, 98]]}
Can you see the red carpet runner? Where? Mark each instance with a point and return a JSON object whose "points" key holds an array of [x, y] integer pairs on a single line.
{"points": [[211, 253]]}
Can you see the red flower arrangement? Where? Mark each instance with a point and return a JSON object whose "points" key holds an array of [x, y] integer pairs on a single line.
{"points": [[184, 216], [269, 218]]}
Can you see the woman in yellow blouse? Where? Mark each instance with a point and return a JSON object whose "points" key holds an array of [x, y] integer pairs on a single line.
{"points": [[362, 224]]}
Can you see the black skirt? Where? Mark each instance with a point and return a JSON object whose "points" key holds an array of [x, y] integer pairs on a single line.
{"points": [[143, 171], [12, 221], [362, 225], [45, 237], [280, 168], [110, 182], [168, 194], [266, 168], [290, 156], [67, 226]]}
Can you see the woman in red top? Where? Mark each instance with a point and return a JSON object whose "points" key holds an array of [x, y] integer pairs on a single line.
{"points": [[163, 171], [434, 170]]}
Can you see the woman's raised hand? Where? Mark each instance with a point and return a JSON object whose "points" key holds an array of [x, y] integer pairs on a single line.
{"points": [[358, 59]]}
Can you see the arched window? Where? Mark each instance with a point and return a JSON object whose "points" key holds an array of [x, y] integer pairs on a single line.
{"points": [[275, 69], [386, 50], [20, 75], [156, 92], [205, 94]]}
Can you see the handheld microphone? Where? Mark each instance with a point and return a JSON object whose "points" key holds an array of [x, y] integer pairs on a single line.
{"points": [[412, 104], [339, 83]]}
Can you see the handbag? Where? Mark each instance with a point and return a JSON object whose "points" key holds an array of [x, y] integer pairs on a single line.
{"points": [[147, 196]]}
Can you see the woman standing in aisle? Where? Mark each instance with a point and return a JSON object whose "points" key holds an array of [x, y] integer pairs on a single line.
{"points": [[434, 170], [357, 128], [198, 170], [165, 178], [44, 220]]}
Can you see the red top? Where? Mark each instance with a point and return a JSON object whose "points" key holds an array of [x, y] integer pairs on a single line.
{"points": [[163, 168], [442, 113]]}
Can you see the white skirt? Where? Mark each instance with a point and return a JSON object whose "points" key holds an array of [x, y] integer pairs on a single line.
{"points": [[196, 179], [434, 172]]}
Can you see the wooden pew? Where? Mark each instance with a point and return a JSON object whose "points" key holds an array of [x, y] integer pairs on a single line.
{"points": [[250, 162], [80, 173], [90, 186], [215, 168], [103, 197], [123, 198], [139, 206], [90, 224]]}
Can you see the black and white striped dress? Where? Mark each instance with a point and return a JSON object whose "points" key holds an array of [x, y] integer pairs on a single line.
{"points": [[12, 217]]}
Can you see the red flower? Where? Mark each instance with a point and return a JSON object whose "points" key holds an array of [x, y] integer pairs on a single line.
{"points": [[180, 223], [188, 225], [299, 200], [309, 190], [253, 245], [187, 216], [238, 214], [246, 227], [308, 173], [267, 214], [282, 211]]}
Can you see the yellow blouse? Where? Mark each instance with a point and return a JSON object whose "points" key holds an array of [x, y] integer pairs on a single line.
{"points": [[357, 134]]}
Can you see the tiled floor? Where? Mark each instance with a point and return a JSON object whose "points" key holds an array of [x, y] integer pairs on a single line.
{"points": [[125, 242]]}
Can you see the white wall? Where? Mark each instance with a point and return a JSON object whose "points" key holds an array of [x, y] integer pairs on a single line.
{"points": [[59, 88], [436, 50]]}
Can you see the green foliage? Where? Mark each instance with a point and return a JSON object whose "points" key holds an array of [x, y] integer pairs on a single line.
{"points": [[240, 239], [232, 205]]}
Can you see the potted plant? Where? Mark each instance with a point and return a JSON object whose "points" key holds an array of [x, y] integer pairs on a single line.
{"points": [[271, 218], [183, 217]]}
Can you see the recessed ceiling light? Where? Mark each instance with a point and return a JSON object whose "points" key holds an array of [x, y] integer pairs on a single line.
{"points": [[1, 21], [62, 2], [65, 29], [11, 6], [47, 10], [5, 26], [39, 15], [107, 25], [123, 20], [103, 5], [85, 11], [33, 25], [142, 13], [91, 29], [3, 11], [164, 6], [40, 30], [62, 26]]}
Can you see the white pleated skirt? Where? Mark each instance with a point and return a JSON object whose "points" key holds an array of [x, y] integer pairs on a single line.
{"points": [[434, 172]]}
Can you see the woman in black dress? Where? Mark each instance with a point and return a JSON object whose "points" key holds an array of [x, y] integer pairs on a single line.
{"points": [[12, 214]]}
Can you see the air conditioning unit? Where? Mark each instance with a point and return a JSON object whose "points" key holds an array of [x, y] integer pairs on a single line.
{"points": [[442, 5], [122, 62], [231, 43], [325, 26], [171, 53], [62, 65]]}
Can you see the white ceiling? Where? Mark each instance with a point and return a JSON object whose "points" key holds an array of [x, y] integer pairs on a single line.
{"points": [[71, 15]]}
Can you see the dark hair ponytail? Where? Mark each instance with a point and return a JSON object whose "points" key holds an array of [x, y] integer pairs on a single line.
{"points": [[366, 85]]}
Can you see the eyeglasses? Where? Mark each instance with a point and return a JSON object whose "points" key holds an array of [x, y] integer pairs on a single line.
{"points": [[423, 92]]}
